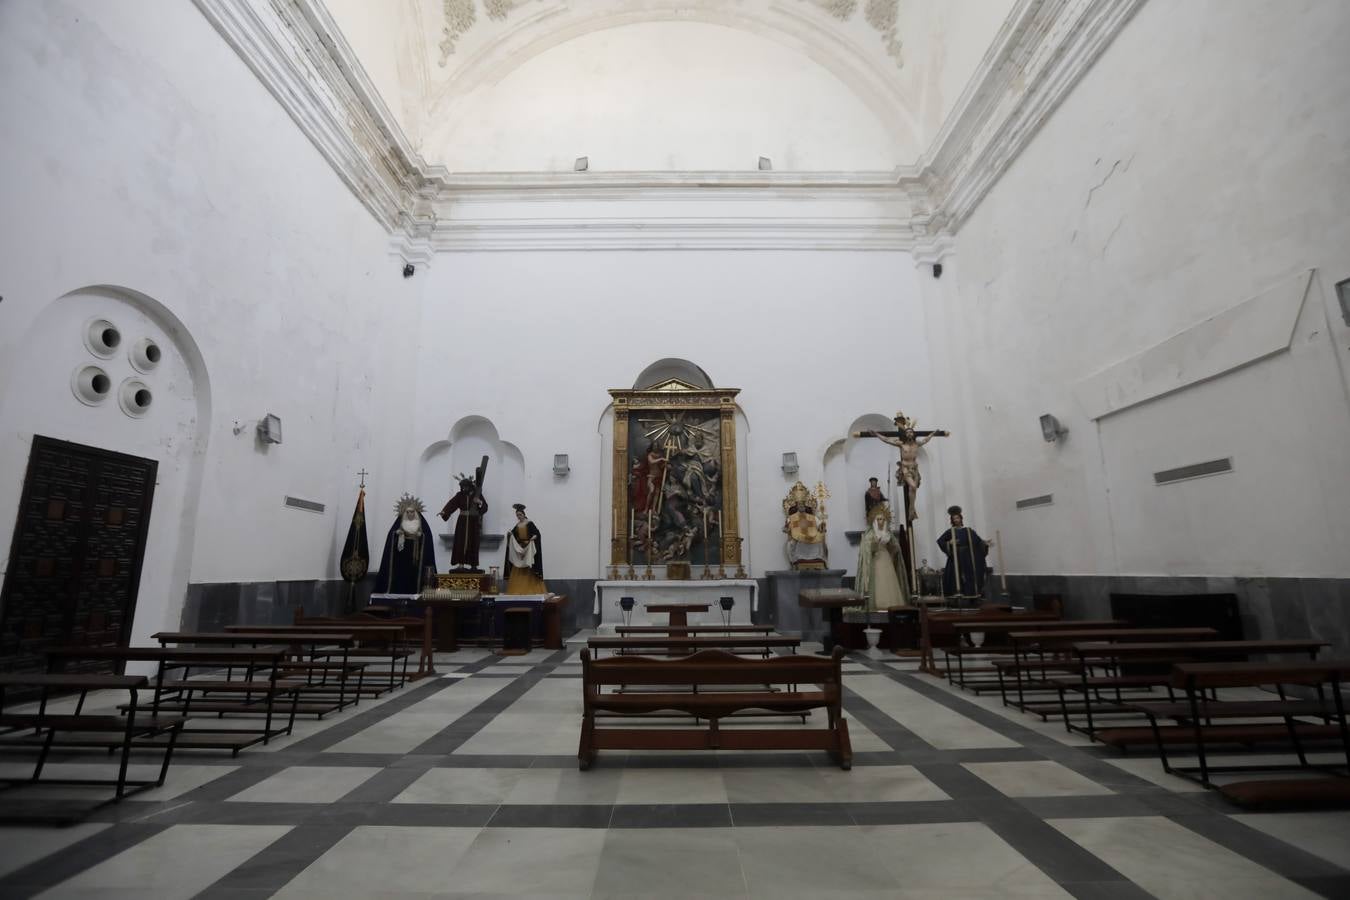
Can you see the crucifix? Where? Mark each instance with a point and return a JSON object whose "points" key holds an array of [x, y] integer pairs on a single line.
{"points": [[363, 473], [908, 440]]}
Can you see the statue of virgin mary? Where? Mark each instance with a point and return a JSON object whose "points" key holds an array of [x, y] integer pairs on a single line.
{"points": [[879, 563]]}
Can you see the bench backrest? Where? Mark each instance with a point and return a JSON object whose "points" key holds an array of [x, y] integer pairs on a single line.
{"points": [[1202, 676], [713, 667]]}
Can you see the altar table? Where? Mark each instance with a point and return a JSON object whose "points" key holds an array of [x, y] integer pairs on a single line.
{"points": [[695, 591]]}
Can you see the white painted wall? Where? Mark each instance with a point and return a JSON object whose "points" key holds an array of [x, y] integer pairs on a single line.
{"points": [[1201, 162], [532, 341], [141, 152]]}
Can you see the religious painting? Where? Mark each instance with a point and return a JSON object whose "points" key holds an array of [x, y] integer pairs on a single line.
{"points": [[675, 478]]}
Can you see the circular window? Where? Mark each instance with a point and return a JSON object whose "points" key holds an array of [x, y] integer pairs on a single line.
{"points": [[91, 385], [102, 337], [134, 397], [145, 355]]}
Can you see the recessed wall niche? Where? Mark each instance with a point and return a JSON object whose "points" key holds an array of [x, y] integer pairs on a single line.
{"points": [[135, 397], [102, 337], [145, 355], [91, 384]]}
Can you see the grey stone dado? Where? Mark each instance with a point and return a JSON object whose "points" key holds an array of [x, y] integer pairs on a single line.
{"points": [[778, 600], [210, 607], [1270, 607]]}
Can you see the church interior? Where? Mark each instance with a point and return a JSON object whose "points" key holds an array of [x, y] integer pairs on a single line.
{"points": [[935, 413]]}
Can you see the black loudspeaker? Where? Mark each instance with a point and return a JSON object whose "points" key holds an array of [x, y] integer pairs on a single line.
{"points": [[408, 270], [937, 270]]}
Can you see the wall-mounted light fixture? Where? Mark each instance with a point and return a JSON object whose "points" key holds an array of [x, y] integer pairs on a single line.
{"points": [[1051, 430], [269, 429], [582, 164], [560, 465], [765, 164], [790, 466]]}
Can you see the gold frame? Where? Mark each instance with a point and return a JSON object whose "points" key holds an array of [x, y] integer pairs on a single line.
{"points": [[668, 395]]}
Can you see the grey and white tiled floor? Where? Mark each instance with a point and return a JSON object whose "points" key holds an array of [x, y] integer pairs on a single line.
{"points": [[466, 786]]}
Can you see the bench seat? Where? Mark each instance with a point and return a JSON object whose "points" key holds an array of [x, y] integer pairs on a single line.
{"points": [[1218, 734], [1289, 793]]}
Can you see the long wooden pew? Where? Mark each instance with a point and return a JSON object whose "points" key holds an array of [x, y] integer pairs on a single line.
{"points": [[320, 697], [260, 665], [762, 643], [1203, 721], [721, 669], [45, 729], [1095, 655]]}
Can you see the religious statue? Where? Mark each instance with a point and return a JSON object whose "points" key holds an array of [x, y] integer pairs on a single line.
{"points": [[908, 440], [524, 567], [871, 497], [966, 551], [648, 479], [879, 563], [408, 550], [470, 504], [804, 522]]}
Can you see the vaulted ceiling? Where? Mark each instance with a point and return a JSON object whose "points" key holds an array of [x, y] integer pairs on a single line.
{"points": [[670, 85]]}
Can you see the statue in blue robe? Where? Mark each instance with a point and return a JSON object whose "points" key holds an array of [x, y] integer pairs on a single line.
{"points": [[966, 552], [409, 550]]}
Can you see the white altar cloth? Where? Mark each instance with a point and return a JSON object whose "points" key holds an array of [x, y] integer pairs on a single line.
{"points": [[742, 590]]}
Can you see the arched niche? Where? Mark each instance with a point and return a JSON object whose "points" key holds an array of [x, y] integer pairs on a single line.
{"points": [[470, 439], [848, 463], [672, 367], [39, 397]]}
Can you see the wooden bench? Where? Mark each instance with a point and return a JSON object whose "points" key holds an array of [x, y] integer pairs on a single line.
{"points": [[82, 729], [936, 629], [713, 668], [1110, 657], [389, 640], [998, 631], [264, 662], [1058, 643], [693, 629], [763, 643], [321, 697], [1196, 714]]}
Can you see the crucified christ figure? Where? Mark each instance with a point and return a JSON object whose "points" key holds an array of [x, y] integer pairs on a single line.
{"points": [[908, 440]]}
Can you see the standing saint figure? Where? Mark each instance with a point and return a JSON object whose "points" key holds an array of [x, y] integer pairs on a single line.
{"points": [[408, 550], [871, 497], [648, 475], [878, 576], [524, 566], [966, 552], [470, 504]]}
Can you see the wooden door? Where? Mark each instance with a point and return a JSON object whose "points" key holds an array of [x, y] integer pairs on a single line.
{"points": [[75, 561]]}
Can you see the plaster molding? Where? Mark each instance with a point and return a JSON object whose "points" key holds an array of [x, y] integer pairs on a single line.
{"points": [[299, 54], [1255, 329], [1043, 49]]}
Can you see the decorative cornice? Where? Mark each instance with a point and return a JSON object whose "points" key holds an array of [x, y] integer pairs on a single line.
{"points": [[300, 55], [1043, 49]]}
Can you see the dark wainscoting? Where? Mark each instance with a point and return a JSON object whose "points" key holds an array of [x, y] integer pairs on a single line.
{"points": [[210, 607], [1270, 608]]}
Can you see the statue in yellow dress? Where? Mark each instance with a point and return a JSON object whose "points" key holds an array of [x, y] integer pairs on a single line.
{"points": [[524, 567], [804, 523]]}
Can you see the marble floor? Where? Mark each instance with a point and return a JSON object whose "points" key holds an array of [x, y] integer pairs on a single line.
{"points": [[466, 785]]}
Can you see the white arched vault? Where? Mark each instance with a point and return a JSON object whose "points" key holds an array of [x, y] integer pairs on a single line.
{"points": [[469, 440], [601, 69]]}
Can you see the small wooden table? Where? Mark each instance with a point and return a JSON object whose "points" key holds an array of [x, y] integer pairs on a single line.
{"points": [[679, 612], [833, 600]]}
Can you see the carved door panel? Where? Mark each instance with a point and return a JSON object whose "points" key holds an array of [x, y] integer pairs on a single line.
{"points": [[75, 561]]}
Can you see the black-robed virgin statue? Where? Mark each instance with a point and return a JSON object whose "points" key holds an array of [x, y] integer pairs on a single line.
{"points": [[409, 550]]}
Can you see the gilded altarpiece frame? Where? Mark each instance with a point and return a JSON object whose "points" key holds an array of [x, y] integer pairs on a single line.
{"points": [[674, 477]]}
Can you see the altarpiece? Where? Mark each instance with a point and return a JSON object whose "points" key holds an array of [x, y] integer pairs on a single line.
{"points": [[674, 481]]}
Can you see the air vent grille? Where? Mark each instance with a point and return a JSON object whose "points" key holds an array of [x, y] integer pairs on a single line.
{"points": [[1196, 470], [1033, 502], [307, 505]]}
